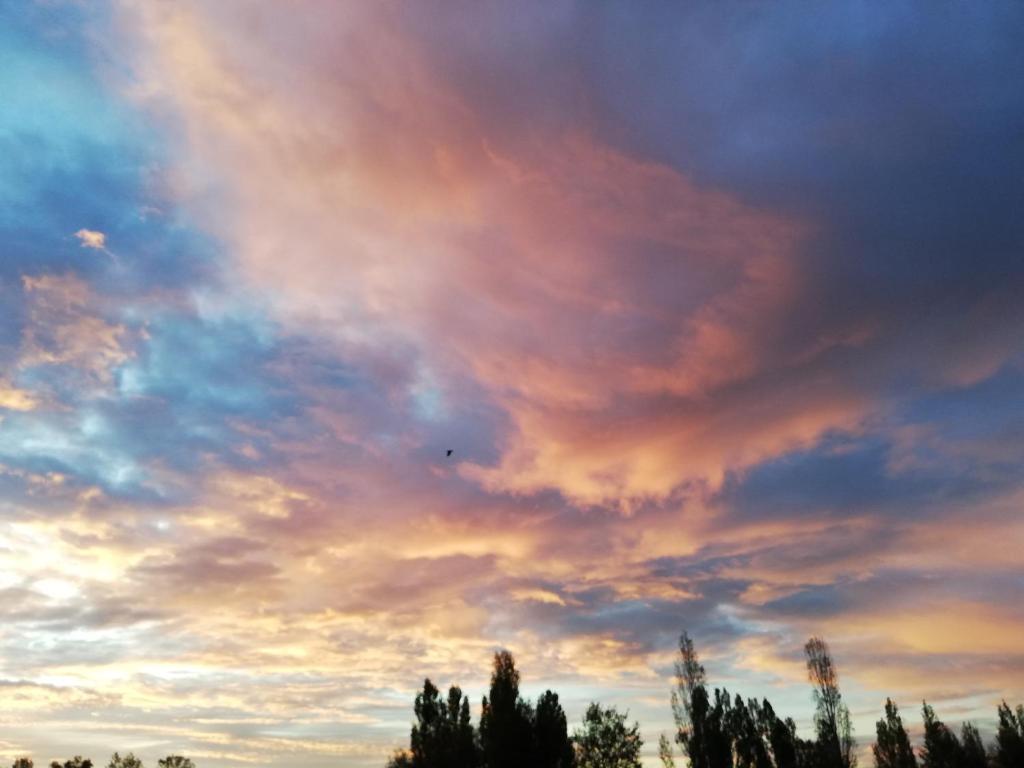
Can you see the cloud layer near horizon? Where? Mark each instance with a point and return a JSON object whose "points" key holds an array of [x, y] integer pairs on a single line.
{"points": [[720, 315]]}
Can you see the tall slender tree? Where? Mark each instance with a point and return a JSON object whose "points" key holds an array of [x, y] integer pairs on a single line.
{"points": [[1009, 752], [892, 747], [551, 736], [506, 721], [832, 718], [941, 747], [690, 704]]}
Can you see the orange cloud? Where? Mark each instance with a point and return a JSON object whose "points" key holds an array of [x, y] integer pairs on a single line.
{"points": [[612, 307], [15, 399], [64, 328]]}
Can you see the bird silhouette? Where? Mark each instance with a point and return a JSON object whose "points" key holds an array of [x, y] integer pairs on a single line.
{"points": [[450, 451]]}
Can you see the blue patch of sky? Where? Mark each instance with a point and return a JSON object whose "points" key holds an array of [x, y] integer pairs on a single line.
{"points": [[985, 410], [856, 477], [74, 154]]}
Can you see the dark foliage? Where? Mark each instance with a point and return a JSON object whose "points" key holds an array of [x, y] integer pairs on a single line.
{"points": [[713, 729], [832, 718], [75, 762], [941, 746], [553, 745], [892, 746], [1009, 752], [506, 721], [443, 736], [606, 741], [973, 748]]}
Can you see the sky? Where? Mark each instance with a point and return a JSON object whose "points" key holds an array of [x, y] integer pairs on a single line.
{"points": [[717, 306]]}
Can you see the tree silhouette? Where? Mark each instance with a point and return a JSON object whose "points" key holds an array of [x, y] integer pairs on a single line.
{"points": [[665, 754], [941, 747], [443, 735], [175, 761], [892, 748], [1009, 752], [690, 704], [75, 762], [551, 737], [832, 719], [128, 761], [506, 721], [22, 762], [605, 741], [781, 736], [972, 747], [749, 748], [718, 739], [714, 730]]}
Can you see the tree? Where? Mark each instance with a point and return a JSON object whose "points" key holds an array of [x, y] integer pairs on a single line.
{"points": [[665, 754], [690, 704], [22, 762], [749, 748], [401, 759], [506, 721], [443, 735], [1009, 752], [175, 761], [717, 738], [553, 746], [75, 762], [128, 761], [941, 748], [832, 718], [847, 744], [973, 748], [605, 741], [781, 736], [892, 747]]}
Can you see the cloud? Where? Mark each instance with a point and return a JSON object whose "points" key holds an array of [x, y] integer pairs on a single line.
{"points": [[64, 329], [92, 239], [15, 399]]}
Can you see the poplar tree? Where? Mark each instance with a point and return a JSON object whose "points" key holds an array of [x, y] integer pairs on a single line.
{"points": [[941, 747], [506, 721], [892, 747], [832, 718], [551, 736], [1009, 751]]}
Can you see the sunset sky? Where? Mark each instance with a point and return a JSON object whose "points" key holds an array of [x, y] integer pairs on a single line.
{"points": [[719, 307]]}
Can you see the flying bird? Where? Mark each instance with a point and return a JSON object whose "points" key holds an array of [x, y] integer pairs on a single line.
{"points": [[450, 451]]}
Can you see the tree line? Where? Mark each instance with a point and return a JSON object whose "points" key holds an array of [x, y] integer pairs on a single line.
{"points": [[713, 729], [116, 761]]}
